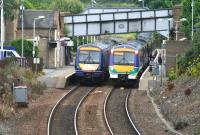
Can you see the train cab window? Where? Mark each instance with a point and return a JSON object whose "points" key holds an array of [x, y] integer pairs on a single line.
{"points": [[89, 57], [123, 58]]}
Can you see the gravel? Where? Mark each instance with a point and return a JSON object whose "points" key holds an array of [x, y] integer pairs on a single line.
{"points": [[63, 119], [90, 115], [116, 113], [182, 109], [32, 120]]}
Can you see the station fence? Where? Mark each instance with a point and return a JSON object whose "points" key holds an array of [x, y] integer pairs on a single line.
{"points": [[22, 62]]}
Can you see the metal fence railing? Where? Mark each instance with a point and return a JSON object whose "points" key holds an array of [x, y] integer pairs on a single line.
{"points": [[22, 62]]}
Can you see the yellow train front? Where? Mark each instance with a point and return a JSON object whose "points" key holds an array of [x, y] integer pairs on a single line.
{"points": [[92, 62], [128, 61]]}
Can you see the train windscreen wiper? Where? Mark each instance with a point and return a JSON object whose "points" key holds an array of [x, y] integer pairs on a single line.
{"points": [[123, 61], [89, 59]]}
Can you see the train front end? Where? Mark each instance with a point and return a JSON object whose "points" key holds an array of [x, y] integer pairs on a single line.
{"points": [[124, 63], [89, 64]]}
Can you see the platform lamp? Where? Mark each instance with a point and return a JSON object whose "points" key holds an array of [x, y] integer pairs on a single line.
{"points": [[176, 25], [22, 30], [34, 20], [142, 3]]}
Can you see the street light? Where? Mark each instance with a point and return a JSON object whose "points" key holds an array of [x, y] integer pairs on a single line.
{"points": [[192, 18], [176, 25], [142, 3], [2, 25], [22, 23], [34, 20]]}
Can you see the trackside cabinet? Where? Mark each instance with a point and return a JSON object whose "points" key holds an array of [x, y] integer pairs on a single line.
{"points": [[20, 95]]}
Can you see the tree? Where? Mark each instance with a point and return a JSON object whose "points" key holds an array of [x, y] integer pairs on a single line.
{"points": [[187, 10], [72, 6], [28, 47], [28, 4], [10, 7]]}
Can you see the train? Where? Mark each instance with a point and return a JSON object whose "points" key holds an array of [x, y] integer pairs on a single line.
{"points": [[92, 60], [128, 61]]}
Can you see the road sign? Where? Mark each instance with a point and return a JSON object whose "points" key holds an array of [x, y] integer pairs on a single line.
{"points": [[36, 61]]}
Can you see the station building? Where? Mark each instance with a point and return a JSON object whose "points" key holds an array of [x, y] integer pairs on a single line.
{"points": [[48, 32]]}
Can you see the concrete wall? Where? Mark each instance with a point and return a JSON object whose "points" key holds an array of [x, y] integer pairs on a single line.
{"points": [[173, 48]]}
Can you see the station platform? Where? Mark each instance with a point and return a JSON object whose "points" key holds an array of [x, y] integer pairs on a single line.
{"points": [[56, 78], [149, 81]]}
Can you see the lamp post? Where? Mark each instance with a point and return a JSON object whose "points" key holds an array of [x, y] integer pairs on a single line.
{"points": [[34, 20], [93, 2], [192, 18], [22, 24], [2, 25], [142, 3], [176, 25]]}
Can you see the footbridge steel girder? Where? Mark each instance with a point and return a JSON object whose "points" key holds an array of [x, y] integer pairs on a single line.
{"points": [[119, 22]]}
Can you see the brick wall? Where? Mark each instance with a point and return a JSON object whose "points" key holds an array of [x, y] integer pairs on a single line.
{"points": [[173, 48]]}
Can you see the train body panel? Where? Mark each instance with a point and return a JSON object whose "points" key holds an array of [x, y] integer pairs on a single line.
{"points": [[92, 61], [127, 61]]}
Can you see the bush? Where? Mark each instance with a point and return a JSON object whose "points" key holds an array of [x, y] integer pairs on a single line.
{"points": [[28, 47], [19, 76], [189, 63], [180, 125], [172, 74]]}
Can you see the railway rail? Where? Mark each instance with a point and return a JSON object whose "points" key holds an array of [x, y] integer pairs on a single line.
{"points": [[117, 115], [62, 119], [90, 114]]}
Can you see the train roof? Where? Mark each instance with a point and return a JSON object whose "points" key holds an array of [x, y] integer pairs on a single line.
{"points": [[144, 36], [135, 44], [127, 46], [103, 44]]}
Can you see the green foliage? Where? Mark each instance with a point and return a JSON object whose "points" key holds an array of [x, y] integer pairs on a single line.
{"points": [[10, 7], [40, 4], [187, 13], [72, 6], [194, 68], [189, 63], [28, 47], [172, 74], [28, 4]]}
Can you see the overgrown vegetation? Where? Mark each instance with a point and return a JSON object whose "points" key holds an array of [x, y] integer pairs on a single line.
{"points": [[28, 47], [72, 6], [187, 13], [189, 63], [19, 76]]}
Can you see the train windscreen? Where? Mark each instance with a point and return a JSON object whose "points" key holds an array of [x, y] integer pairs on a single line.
{"points": [[89, 57], [123, 58]]}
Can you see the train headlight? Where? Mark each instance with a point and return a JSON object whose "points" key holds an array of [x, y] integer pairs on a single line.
{"points": [[111, 68], [132, 76], [113, 75]]}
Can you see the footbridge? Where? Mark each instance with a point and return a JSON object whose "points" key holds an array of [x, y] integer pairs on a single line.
{"points": [[119, 21]]}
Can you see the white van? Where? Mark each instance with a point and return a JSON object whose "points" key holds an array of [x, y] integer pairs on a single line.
{"points": [[8, 53]]}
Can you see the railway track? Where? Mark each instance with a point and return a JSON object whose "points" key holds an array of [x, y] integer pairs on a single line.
{"points": [[62, 120], [117, 115], [90, 114]]}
